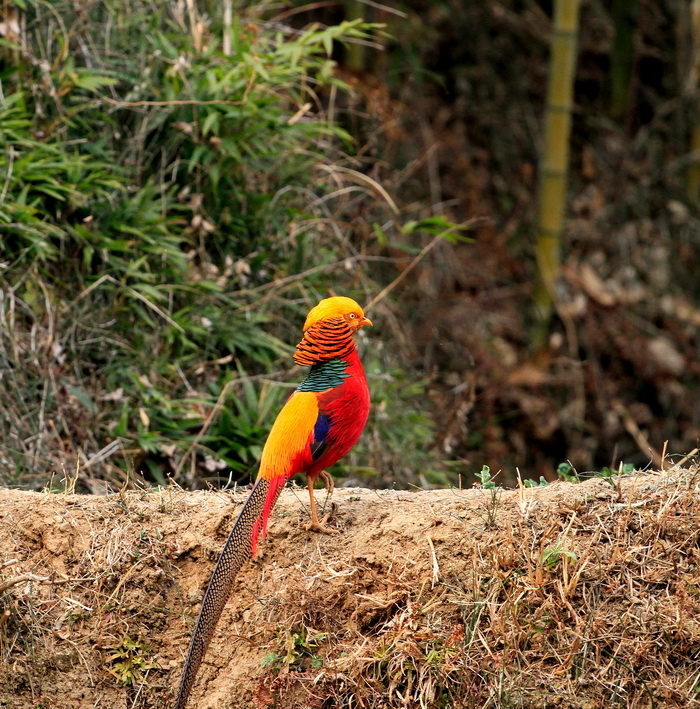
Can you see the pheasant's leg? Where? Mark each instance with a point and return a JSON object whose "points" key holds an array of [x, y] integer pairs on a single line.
{"points": [[315, 525], [327, 481], [330, 486]]}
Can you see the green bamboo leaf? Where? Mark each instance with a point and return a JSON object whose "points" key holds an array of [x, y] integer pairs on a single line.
{"points": [[211, 123], [327, 40], [92, 82]]}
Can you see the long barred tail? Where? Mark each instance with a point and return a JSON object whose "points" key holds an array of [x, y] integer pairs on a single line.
{"points": [[239, 547]]}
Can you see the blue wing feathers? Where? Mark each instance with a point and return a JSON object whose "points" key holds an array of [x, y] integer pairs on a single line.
{"points": [[321, 430]]}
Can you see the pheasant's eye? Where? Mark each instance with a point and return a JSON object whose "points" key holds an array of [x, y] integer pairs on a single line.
{"points": [[352, 315]]}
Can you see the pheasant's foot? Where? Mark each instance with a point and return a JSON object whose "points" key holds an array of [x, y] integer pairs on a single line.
{"points": [[316, 526]]}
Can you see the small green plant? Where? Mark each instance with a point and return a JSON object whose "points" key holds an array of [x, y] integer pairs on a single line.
{"points": [[271, 659], [543, 482], [486, 481], [568, 473], [623, 469], [75, 615], [552, 555], [129, 661], [300, 645], [300, 650]]}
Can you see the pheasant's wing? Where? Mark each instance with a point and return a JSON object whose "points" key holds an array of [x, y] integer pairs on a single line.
{"points": [[287, 449], [322, 428]]}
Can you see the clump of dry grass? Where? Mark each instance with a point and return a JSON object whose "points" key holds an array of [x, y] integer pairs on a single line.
{"points": [[580, 602]]}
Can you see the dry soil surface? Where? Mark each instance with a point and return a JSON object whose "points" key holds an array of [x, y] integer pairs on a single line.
{"points": [[570, 595]]}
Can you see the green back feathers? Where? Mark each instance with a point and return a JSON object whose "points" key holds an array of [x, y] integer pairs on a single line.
{"points": [[325, 375]]}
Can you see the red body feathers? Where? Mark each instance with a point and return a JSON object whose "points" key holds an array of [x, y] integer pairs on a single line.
{"points": [[348, 407]]}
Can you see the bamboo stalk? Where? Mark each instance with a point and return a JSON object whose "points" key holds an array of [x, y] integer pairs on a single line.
{"points": [[355, 53], [692, 177], [625, 17], [555, 160]]}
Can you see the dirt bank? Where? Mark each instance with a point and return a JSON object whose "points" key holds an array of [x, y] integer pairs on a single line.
{"points": [[570, 595]]}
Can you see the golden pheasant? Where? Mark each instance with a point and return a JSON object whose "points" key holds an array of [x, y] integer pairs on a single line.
{"points": [[321, 421]]}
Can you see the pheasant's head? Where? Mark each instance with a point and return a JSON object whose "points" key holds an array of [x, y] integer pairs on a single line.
{"points": [[338, 307]]}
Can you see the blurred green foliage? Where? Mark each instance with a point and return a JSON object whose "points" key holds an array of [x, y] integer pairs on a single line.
{"points": [[165, 227]]}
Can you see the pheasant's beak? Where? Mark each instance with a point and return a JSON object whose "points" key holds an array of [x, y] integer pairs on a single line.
{"points": [[365, 321]]}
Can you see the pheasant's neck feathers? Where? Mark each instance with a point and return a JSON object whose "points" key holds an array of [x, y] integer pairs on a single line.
{"points": [[325, 340], [324, 376]]}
